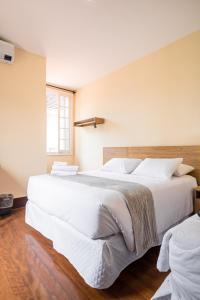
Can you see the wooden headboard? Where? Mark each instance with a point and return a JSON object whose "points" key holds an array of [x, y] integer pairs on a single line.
{"points": [[190, 154]]}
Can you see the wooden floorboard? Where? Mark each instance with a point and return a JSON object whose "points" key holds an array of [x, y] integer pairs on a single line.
{"points": [[31, 269]]}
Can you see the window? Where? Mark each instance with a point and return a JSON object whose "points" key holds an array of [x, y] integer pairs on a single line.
{"points": [[59, 121]]}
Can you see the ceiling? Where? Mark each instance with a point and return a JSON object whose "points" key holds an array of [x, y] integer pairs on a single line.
{"points": [[83, 40]]}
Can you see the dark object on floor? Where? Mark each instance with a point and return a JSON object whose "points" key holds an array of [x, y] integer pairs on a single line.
{"points": [[198, 213], [6, 204]]}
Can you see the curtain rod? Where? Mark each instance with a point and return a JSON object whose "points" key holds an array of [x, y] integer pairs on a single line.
{"points": [[60, 88]]}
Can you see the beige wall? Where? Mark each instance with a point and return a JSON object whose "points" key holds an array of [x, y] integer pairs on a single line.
{"points": [[153, 101], [22, 121]]}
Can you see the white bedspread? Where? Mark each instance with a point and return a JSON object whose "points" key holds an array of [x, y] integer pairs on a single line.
{"points": [[180, 252], [100, 213]]}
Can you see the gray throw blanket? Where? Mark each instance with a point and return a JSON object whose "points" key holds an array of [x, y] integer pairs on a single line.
{"points": [[139, 202]]}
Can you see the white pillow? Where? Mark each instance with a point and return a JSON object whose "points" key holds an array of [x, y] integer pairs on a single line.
{"points": [[121, 165], [162, 168], [183, 170]]}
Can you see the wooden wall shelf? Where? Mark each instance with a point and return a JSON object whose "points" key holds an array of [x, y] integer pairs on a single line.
{"points": [[89, 122]]}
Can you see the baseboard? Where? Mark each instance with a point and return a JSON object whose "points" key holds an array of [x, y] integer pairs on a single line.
{"points": [[19, 202]]}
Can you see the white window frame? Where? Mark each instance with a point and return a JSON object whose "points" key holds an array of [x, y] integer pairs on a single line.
{"points": [[71, 114]]}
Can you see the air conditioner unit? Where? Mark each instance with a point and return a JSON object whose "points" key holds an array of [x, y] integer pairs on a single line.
{"points": [[7, 52]]}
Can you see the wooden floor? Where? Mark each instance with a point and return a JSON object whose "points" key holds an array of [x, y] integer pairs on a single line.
{"points": [[31, 269]]}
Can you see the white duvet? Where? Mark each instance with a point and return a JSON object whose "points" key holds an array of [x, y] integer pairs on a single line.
{"points": [[99, 213], [180, 252]]}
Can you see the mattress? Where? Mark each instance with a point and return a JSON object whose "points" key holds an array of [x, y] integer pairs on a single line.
{"points": [[99, 213]]}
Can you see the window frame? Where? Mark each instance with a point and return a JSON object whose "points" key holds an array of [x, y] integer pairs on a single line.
{"points": [[69, 94]]}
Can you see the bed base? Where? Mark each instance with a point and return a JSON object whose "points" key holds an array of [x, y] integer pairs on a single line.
{"points": [[98, 261]]}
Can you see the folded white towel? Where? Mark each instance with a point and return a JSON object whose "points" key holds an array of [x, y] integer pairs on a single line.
{"points": [[63, 173], [60, 163], [64, 168]]}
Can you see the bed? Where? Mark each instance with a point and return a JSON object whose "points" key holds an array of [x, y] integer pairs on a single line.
{"points": [[88, 228]]}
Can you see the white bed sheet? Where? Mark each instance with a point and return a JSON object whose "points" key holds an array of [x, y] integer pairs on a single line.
{"points": [[88, 208], [176, 193]]}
